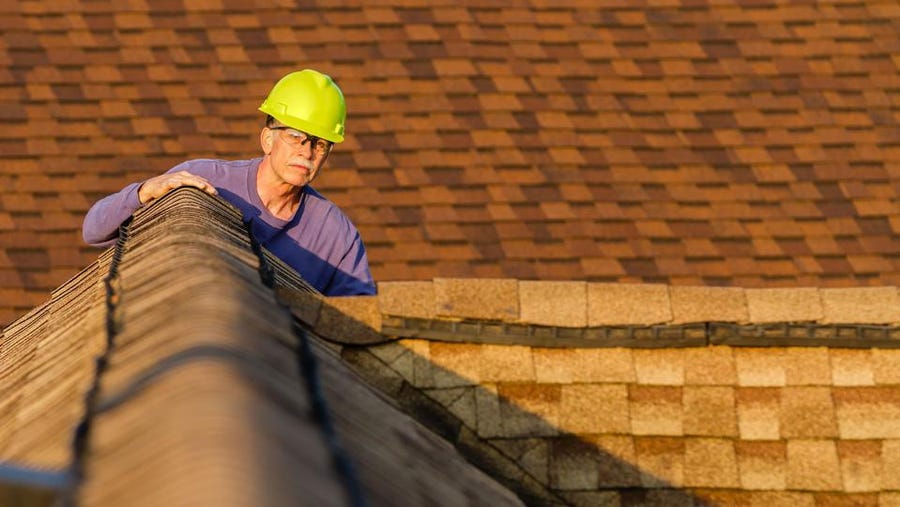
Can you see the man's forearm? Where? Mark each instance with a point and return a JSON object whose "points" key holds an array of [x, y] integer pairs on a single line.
{"points": [[101, 223]]}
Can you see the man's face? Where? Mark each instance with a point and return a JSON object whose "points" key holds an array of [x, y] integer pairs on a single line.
{"points": [[295, 156]]}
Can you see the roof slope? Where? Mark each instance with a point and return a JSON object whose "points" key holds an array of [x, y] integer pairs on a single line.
{"points": [[203, 389], [752, 144]]}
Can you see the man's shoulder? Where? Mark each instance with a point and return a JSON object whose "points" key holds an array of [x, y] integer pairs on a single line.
{"points": [[315, 198], [324, 208]]}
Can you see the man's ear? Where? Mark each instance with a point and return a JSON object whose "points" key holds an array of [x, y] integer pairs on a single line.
{"points": [[266, 138]]}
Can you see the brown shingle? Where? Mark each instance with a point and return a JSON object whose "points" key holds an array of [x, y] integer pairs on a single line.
{"points": [[750, 130]]}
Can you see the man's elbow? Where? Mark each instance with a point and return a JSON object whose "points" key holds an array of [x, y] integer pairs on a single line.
{"points": [[92, 236]]}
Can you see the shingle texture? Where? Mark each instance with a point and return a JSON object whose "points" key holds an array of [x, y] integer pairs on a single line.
{"points": [[721, 425], [186, 382], [750, 144]]}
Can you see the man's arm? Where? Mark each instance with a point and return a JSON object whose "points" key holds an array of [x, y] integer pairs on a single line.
{"points": [[101, 223]]}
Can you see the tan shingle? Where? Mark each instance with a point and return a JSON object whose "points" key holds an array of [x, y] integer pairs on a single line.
{"points": [[506, 363], [701, 304], [760, 367], [851, 367], [868, 412], [886, 366], [762, 464], [783, 305], [350, 319], [455, 364], [813, 465], [861, 465], [659, 366], [616, 460], [529, 409], [890, 456], [407, 299], [873, 305], [477, 298], [611, 304], [807, 412], [594, 409], [553, 303], [583, 365], [709, 411], [656, 410], [808, 366], [660, 461], [758, 412], [709, 366], [710, 462]]}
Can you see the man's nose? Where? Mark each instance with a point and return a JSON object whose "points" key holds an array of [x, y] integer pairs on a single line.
{"points": [[306, 148]]}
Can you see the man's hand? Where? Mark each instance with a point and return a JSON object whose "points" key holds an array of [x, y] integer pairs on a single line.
{"points": [[157, 186]]}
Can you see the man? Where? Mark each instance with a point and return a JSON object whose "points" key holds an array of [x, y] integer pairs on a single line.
{"points": [[306, 114]]}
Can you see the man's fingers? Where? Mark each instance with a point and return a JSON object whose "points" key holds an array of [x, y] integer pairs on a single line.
{"points": [[196, 181], [155, 188]]}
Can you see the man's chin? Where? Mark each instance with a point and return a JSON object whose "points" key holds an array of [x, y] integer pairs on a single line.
{"points": [[301, 177]]}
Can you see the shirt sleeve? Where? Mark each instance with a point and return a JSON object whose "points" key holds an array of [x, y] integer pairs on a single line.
{"points": [[101, 224], [352, 276]]}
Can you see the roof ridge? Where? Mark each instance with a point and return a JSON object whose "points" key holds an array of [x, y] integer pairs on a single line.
{"points": [[587, 314]]}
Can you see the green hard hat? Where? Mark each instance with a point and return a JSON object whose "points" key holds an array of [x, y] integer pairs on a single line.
{"points": [[309, 101]]}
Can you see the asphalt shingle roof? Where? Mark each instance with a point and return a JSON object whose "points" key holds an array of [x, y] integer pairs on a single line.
{"points": [[751, 144], [169, 373]]}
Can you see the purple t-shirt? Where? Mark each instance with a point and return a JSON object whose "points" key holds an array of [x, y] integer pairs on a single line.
{"points": [[319, 242]]}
